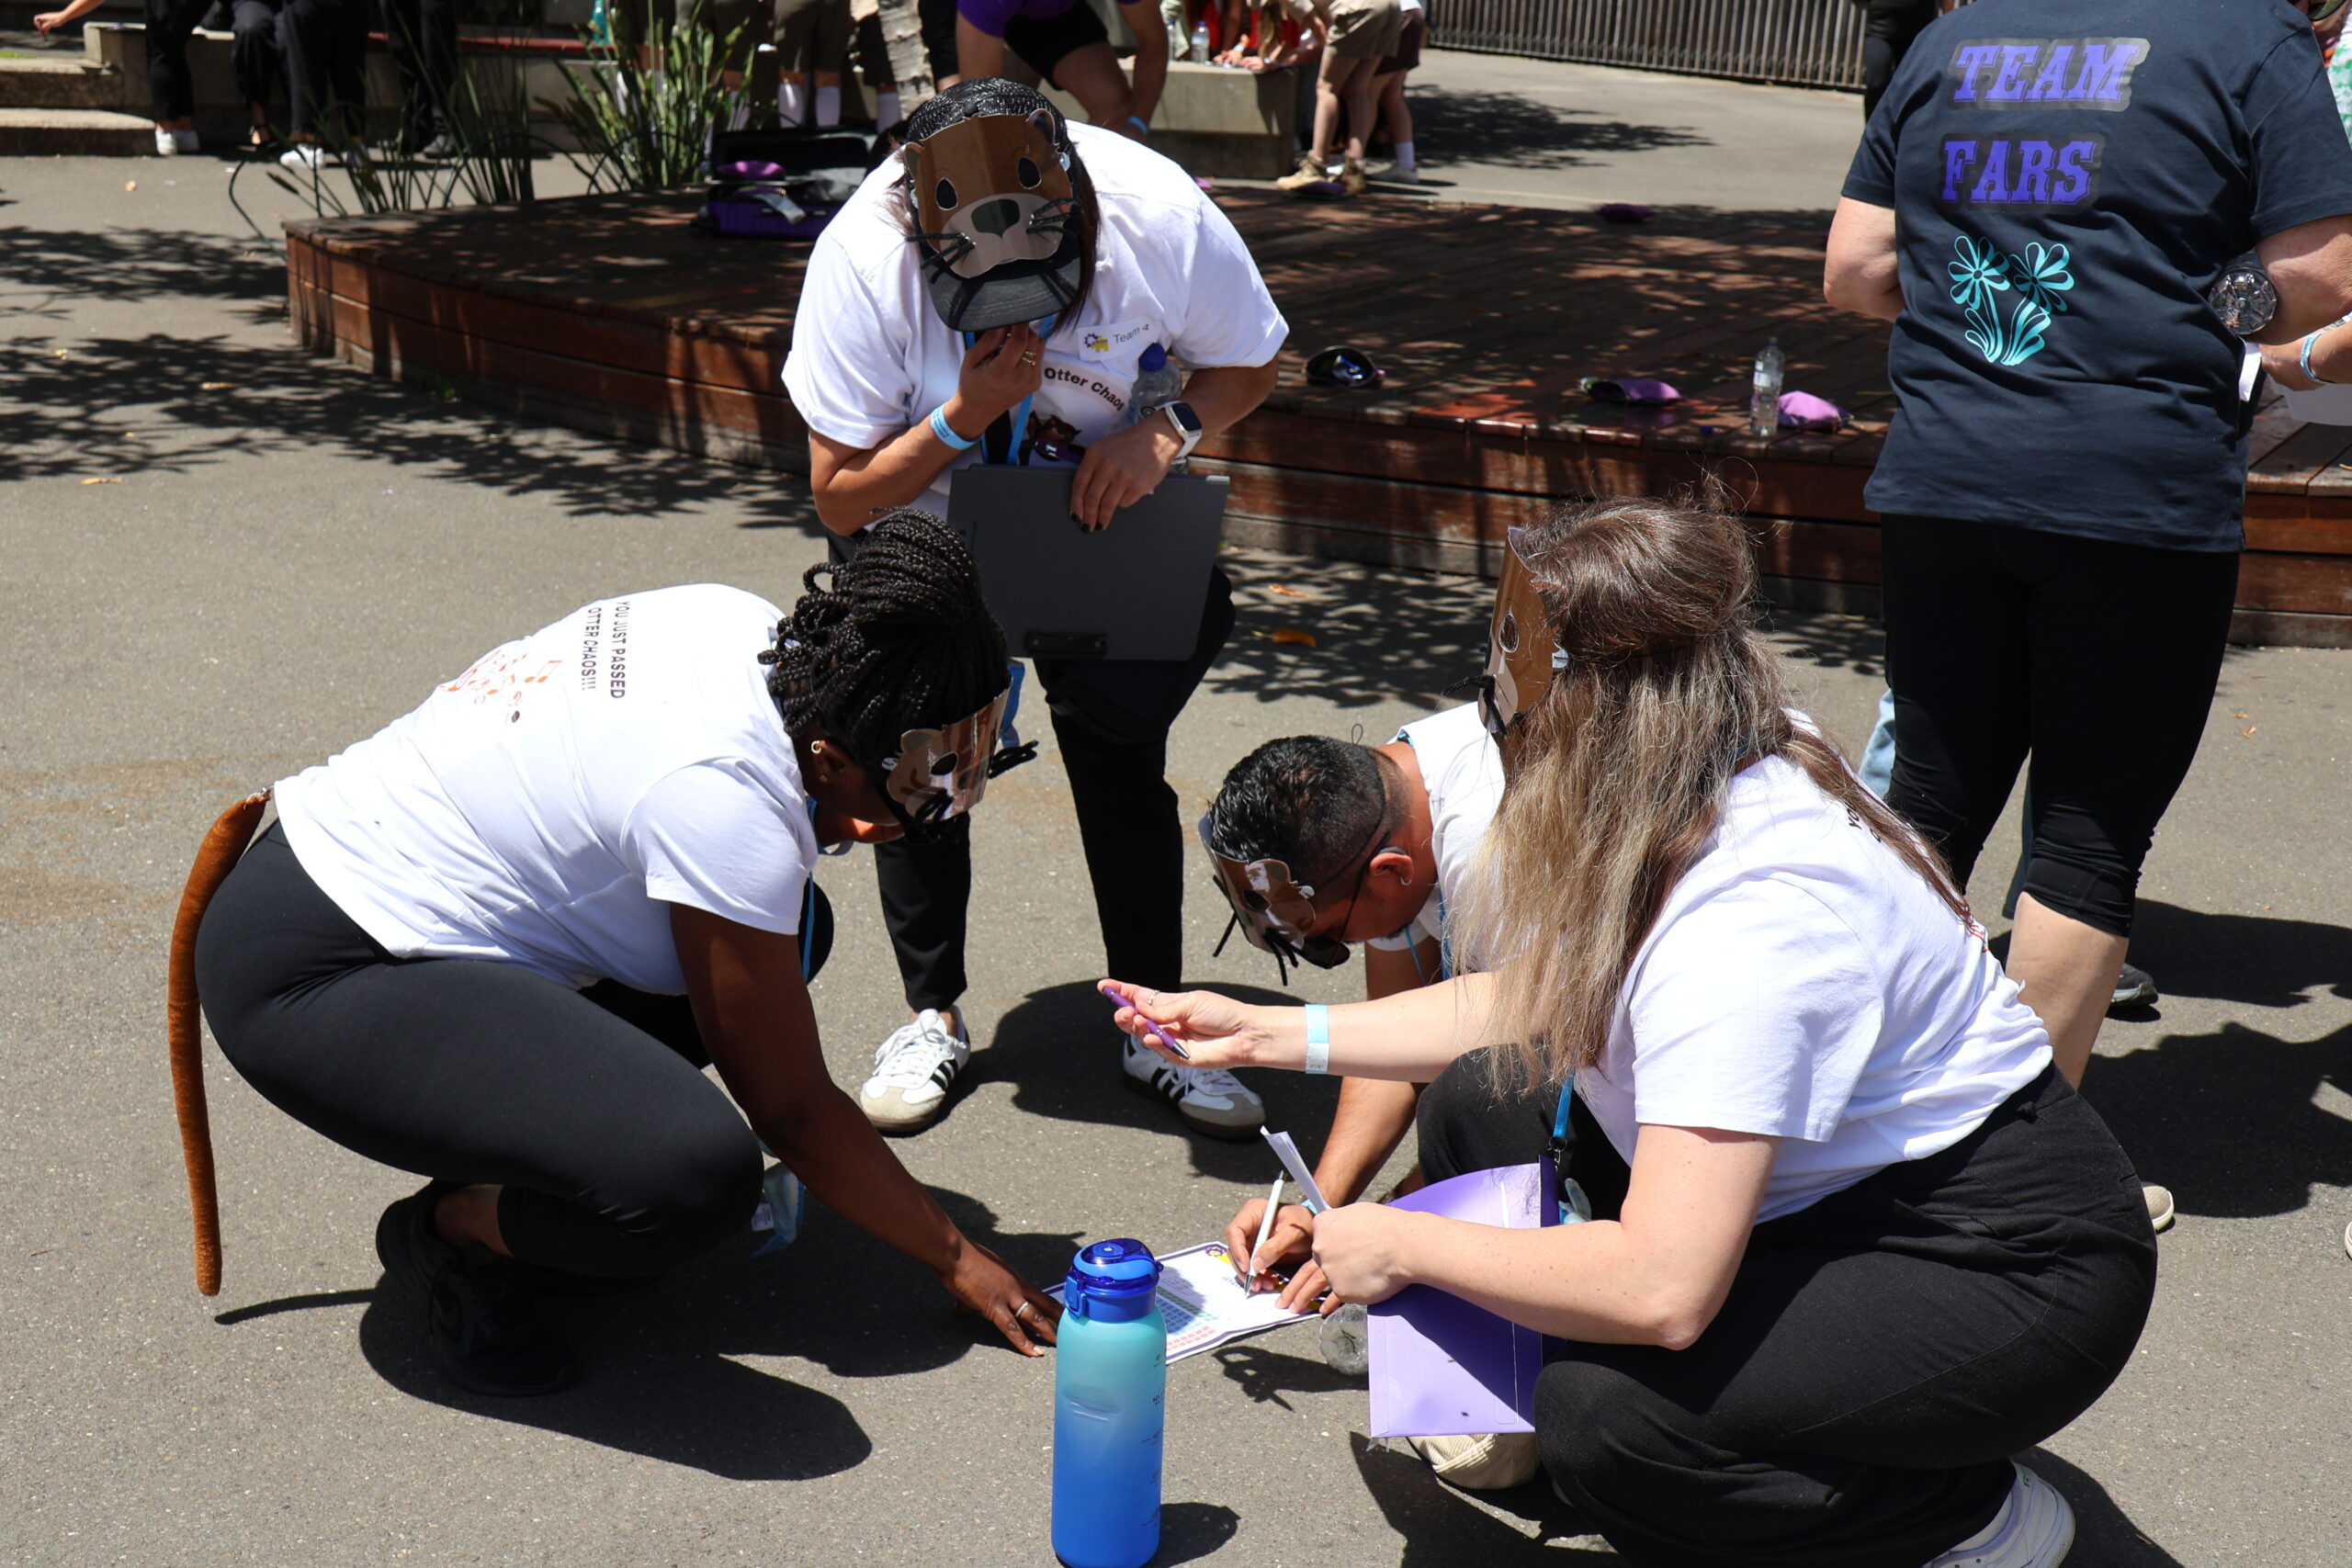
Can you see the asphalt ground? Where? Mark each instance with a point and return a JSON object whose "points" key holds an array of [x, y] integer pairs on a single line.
{"points": [[220, 560]]}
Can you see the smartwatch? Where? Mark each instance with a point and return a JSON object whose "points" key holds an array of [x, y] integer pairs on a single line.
{"points": [[1188, 426]]}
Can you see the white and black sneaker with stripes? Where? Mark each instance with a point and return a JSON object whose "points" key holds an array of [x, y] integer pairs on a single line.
{"points": [[912, 1071], [1210, 1099]]}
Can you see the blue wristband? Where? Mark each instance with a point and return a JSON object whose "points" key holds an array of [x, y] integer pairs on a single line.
{"points": [[1318, 1038], [1139, 123], [2303, 361], [941, 428]]}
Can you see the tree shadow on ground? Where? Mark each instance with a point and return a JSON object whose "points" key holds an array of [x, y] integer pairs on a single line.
{"points": [[1057, 1049], [2105, 1536], [1380, 633], [1517, 132], [1445, 1528], [70, 410], [660, 1376], [58, 267]]}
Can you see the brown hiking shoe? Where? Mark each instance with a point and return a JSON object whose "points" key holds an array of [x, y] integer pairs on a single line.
{"points": [[1309, 170]]}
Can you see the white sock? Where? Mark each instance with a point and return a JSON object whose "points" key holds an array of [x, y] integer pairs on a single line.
{"points": [[791, 102], [1405, 163], [828, 106], [886, 107]]}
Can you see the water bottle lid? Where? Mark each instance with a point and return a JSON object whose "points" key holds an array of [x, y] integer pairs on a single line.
{"points": [[1121, 1267], [1154, 358]]}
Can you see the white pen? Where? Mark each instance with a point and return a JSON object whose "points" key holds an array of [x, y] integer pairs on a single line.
{"points": [[1265, 1228]]}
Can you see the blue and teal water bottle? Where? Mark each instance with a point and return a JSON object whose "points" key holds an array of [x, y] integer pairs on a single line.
{"points": [[1110, 1408]]}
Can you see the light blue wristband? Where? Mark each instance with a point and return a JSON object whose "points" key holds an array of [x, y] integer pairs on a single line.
{"points": [[941, 428], [1139, 123], [2303, 360], [1318, 1038]]}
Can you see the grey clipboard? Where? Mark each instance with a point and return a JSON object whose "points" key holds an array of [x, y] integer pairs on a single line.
{"points": [[1134, 590]]}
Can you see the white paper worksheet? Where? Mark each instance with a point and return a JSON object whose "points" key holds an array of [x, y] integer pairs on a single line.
{"points": [[1203, 1305]]}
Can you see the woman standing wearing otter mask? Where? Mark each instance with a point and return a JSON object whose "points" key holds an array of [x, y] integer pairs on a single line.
{"points": [[1854, 1240], [933, 332]]}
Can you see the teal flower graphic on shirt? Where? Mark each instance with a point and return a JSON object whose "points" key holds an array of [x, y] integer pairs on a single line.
{"points": [[1975, 274], [2041, 275], [2038, 278]]}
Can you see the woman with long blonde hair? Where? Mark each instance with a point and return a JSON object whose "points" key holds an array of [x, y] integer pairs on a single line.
{"points": [[1853, 1241]]}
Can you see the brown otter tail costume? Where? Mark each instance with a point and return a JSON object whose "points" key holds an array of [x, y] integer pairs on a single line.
{"points": [[184, 1026]]}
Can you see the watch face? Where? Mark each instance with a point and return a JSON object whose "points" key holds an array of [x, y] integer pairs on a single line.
{"points": [[1186, 419]]}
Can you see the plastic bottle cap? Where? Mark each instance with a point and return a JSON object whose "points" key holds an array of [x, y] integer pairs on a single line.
{"points": [[1121, 1267], [1154, 358]]}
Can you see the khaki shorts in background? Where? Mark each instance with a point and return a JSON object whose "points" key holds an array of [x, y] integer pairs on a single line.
{"points": [[812, 35], [1365, 29]]}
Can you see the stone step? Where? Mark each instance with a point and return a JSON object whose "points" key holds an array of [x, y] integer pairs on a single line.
{"points": [[49, 132], [63, 84]]}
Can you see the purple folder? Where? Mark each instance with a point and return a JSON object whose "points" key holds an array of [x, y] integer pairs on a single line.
{"points": [[1440, 1365]]}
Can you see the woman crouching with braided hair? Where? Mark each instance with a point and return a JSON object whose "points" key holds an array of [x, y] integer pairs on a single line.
{"points": [[495, 943], [1851, 1241]]}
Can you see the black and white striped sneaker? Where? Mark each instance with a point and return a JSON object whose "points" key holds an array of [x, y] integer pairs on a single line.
{"points": [[1210, 1099], [912, 1069]]}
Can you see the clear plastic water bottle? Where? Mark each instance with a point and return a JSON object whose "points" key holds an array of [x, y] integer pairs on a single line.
{"points": [[1158, 383], [1345, 1340], [1200, 40], [1110, 1408], [1764, 394]]}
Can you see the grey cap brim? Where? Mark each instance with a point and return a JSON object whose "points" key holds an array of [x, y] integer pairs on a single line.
{"points": [[1022, 291]]}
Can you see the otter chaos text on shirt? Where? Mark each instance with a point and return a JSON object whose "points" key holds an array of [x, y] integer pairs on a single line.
{"points": [[871, 359], [548, 805], [1803, 983], [1463, 771]]}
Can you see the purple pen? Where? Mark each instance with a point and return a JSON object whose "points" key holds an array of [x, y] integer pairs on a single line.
{"points": [[1154, 1030]]}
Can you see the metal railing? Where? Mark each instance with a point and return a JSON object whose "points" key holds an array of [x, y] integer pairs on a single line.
{"points": [[1808, 43]]}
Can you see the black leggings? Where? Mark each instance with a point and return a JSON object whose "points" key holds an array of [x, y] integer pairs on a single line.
{"points": [[1881, 1355], [619, 1158], [1887, 33], [170, 88], [2097, 660]]}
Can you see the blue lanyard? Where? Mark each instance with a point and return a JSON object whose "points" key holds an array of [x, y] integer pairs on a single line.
{"points": [[1021, 414]]}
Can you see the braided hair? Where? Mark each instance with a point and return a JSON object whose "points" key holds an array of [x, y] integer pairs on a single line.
{"points": [[1315, 804], [898, 640]]}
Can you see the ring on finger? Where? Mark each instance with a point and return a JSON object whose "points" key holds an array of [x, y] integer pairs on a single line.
{"points": [[1028, 359], [1020, 1312]]}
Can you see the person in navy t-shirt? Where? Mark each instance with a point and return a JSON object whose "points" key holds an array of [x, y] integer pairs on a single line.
{"points": [[2039, 205]]}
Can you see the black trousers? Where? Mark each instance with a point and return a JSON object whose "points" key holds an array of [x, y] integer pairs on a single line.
{"points": [[254, 50], [326, 56], [169, 86], [1887, 33], [618, 1158], [422, 35], [1881, 1355], [1110, 719], [2096, 660]]}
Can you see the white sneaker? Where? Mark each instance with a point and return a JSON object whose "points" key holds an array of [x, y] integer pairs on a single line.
{"points": [[912, 1069], [168, 143], [1397, 176], [1210, 1099], [304, 155], [2035, 1528], [1491, 1462], [2160, 1206]]}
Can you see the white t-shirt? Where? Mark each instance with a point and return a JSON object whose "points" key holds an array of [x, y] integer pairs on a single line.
{"points": [[1803, 983], [1463, 771], [871, 359], [546, 806]]}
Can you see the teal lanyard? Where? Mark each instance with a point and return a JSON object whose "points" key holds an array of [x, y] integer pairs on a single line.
{"points": [[1021, 414]]}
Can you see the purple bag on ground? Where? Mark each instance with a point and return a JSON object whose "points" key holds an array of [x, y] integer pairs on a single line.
{"points": [[1441, 1366], [1802, 411], [1630, 390]]}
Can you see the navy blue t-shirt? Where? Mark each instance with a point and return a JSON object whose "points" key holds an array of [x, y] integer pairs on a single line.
{"points": [[2068, 179]]}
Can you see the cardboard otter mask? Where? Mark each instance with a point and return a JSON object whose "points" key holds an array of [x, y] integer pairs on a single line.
{"points": [[992, 204]]}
